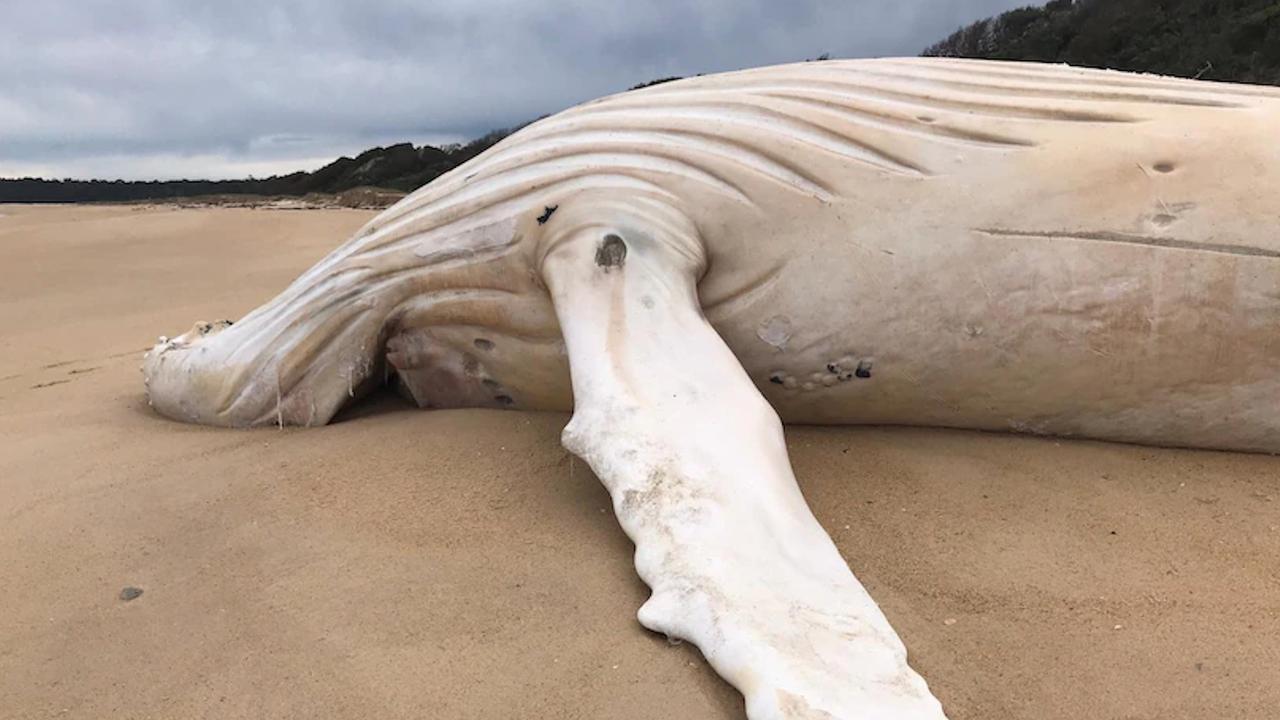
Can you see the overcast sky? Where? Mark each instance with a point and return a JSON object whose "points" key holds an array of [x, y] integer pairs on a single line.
{"points": [[141, 89]]}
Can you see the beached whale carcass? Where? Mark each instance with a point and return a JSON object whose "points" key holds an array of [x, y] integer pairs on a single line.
{"points": [[964, 243]]}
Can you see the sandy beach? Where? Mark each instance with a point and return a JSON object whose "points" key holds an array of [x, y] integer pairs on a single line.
{"points": [[410, 564]]}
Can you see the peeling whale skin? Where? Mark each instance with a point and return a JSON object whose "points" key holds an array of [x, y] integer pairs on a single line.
{"points": [[992, 245]]}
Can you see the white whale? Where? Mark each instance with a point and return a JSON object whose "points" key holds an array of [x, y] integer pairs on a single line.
{"points": [[991, 245]]}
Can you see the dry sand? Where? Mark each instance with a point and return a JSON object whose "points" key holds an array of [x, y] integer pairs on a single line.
{"points": [[409, 564]]}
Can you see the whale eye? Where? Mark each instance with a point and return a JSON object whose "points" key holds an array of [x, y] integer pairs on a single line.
{"points": [[612, 252]]}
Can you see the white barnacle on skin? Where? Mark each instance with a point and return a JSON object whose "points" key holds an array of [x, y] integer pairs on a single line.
{"points": [[775, 331]]}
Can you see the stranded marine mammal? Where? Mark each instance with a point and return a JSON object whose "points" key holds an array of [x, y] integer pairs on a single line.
{"points": [[947, 242]]}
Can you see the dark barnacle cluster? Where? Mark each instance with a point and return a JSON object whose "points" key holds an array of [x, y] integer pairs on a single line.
{"points": [[837, 371]]}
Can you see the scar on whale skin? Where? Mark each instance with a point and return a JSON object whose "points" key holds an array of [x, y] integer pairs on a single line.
{"points": [[1137, 240]]}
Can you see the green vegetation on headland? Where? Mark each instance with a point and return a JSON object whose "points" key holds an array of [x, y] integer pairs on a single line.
{"points": [[1232, 40]]}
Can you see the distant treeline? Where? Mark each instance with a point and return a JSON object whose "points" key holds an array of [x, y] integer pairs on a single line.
{"points": [[1236, 40], [397, 167], [1233, 40]]}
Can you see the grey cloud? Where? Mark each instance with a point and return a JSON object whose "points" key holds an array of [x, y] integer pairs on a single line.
{"points": [[114, 88]]}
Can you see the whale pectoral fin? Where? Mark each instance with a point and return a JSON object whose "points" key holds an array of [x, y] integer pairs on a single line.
{"points": [[694, 459]]}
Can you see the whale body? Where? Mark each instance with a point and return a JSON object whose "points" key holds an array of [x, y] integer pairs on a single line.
{"points": [[1003, 246], [974, 244]]}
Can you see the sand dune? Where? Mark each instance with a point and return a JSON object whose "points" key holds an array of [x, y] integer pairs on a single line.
{"points": [[408, 564]]}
